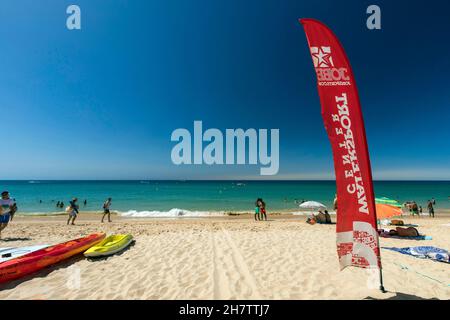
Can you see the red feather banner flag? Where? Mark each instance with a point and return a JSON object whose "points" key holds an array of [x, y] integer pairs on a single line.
{"points": [[357, 238]]}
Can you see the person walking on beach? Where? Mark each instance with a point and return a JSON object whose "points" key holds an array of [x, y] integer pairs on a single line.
{"points": [[430, 208], [7, 209], [106, 211], [72, 210]]}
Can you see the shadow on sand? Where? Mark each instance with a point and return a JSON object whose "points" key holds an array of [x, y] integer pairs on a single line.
{"points": [[15, 239], [402, 296], [43, 273]]}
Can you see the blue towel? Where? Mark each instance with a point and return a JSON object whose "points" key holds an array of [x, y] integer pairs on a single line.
{"points": [[424, 252]]}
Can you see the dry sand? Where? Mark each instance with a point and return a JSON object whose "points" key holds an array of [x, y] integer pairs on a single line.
{"points": [[222, 258]]}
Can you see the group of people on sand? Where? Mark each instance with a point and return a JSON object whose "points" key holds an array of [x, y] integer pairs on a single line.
{"points": [[73, 210], [323, 217], [415, 209], [8, 208], [260, 210]]}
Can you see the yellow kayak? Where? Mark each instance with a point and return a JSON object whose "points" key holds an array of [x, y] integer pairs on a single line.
{"points": [[110, 245]]}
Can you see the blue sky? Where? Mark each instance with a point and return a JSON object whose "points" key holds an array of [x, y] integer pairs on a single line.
{"points": [[102, 102]]}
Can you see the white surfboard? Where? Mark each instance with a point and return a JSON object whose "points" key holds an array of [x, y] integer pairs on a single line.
{"points": [[11, 253]]}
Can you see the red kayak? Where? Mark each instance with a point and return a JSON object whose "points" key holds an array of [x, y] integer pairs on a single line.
{"points": [[37, 260]]}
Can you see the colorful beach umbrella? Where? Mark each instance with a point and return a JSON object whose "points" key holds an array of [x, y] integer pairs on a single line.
{"points": [[391, 202], [386, 211], [312, 205]]}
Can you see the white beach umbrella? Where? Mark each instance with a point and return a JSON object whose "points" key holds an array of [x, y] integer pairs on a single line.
{"points": [[312, 205]]}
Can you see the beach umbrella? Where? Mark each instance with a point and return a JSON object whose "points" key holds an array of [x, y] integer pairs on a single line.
{"points": [[312, 205], [386, 211], [391, 202]]}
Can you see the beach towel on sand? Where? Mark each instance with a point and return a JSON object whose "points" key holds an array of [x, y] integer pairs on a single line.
{"points": [[424, 252]]}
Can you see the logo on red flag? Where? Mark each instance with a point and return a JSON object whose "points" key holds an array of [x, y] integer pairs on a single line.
{"points": [[322, 57], [327, 73]]}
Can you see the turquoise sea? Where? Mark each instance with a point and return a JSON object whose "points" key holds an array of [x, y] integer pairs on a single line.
{"points": [[194, 198]]}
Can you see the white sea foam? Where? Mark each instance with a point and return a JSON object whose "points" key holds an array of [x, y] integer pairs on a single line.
{"points": [[43, 213], [172, 213], [308, 213]]}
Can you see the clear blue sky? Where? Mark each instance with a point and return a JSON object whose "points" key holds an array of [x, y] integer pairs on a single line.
{"points": [[101, 103]]}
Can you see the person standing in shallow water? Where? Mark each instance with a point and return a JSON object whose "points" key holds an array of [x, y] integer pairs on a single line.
{"points": [[106, 206], [430, 208]]}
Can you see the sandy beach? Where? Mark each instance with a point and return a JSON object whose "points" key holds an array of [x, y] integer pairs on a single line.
{"points": [[222, 258]]}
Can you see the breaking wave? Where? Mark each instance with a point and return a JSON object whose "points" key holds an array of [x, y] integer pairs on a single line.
{"points": [[172, 213]]}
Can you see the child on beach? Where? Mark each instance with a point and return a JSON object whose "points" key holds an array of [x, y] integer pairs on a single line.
{"points": [[106, 211], [7, 209], [72, 210]]}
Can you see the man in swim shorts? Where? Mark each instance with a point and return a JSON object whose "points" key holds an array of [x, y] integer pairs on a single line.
{"points": [[106, 211]]}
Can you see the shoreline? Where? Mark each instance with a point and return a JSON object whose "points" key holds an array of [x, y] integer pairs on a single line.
{"points": [[207, 213]]}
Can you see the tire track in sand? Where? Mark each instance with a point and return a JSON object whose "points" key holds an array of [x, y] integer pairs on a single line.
{"points": [[231, 275]]}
